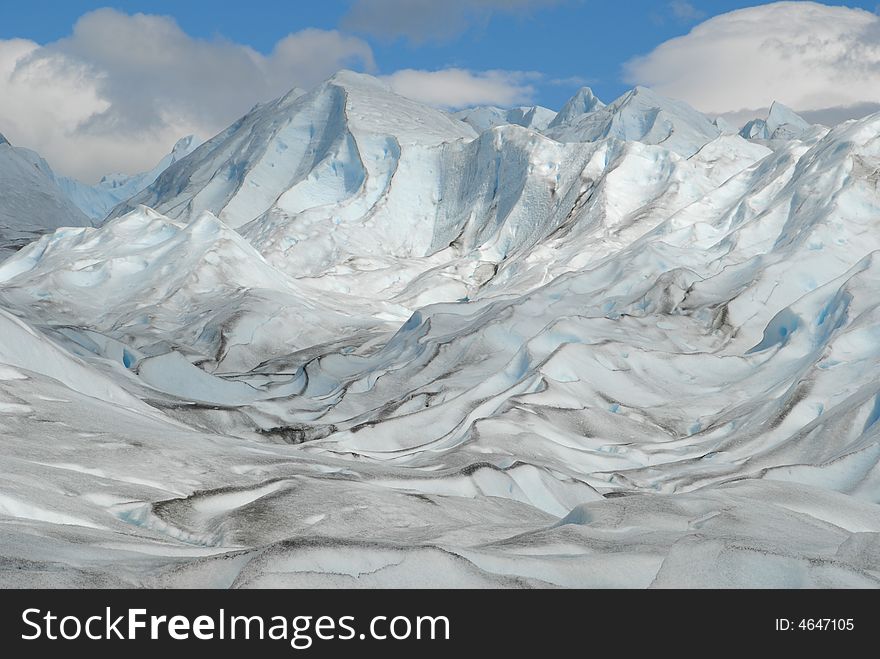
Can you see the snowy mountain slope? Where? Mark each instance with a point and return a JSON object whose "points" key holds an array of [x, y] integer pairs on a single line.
{"points": [[375, 203], [30, 202], [798, 243], [554, 208], [99, 199], [299, 150], [409, 354], [150, 285], [483, 118]]}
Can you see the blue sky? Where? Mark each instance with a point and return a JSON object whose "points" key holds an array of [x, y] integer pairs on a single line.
{"points": [[97, 87], [587, 40]]}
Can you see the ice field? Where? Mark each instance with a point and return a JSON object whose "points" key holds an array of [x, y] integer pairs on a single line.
{"points": [[356, 341]]}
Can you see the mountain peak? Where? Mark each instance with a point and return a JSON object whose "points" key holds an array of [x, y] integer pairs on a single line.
{"points": [[586, 93], [782, 115], [648, 97], [642, 115], [484, 117], [583, 102], [347, 79], [288, 154], [781, 123], [3, 140]]}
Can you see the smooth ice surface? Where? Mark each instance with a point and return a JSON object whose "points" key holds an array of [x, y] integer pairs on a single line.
{"points": [[356, 341]]}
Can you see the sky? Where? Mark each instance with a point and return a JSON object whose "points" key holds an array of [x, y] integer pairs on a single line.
{"points": [[98, 87]]}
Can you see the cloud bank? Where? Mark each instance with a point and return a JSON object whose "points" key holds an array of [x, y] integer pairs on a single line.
{"points": [[810, 56]]}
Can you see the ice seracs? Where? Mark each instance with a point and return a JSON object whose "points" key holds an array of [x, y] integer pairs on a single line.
{"points": [[357, 188], [782, 123], [148, 283], [640, 115], [486, 117], [301, 151]]}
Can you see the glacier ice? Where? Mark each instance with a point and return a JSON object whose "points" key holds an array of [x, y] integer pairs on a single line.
{"points": [[357, 341], [486, 117], [641, 115], [782, 123]]}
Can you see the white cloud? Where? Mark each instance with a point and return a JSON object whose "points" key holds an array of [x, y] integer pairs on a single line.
{"points": [[457, 88], [809, 56], [685, 11], [426, 20], [120, 90]]}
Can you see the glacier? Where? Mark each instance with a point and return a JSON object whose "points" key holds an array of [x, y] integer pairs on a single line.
{"points": [[486, 117], [356, 341]]}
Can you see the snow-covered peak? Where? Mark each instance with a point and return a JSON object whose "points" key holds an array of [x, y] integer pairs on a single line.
{"points": [[645, 116], [484, 118], [34, 159], [781, 123], [583, 102], [3, 140], [535, 116], [124, 186], [355, 80], [785, 123], [368, 105], [301, 151]]}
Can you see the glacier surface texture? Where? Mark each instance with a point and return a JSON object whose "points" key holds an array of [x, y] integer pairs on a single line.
{"points": [[356, 341]]}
